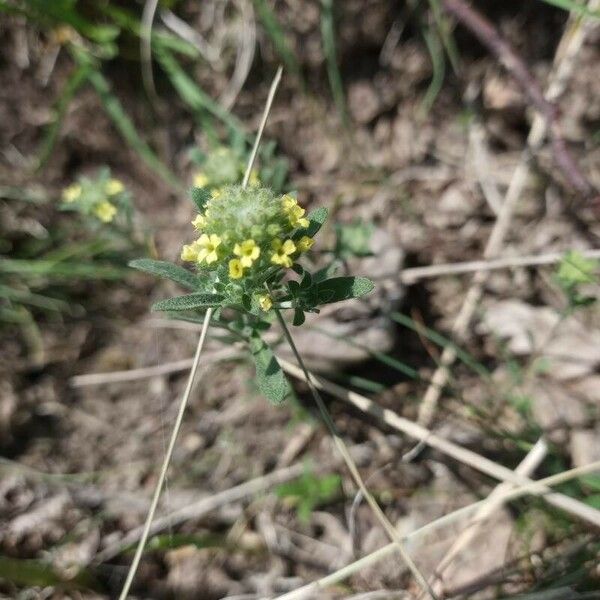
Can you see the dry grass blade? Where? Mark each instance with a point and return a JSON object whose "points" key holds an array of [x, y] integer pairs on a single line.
{"points": [[527, 466], [341, 446], [537, 488], [411, 276], [186, 395], [464, 455], [570, 44]]}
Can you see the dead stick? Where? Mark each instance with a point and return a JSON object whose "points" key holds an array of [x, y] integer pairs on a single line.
{"points": [[489, 36]]}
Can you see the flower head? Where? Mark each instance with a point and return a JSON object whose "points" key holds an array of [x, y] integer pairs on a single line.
{"points": [[248, 252], [114, 187], [207, 248], [105, 211], [71, 193], [282, 252]]}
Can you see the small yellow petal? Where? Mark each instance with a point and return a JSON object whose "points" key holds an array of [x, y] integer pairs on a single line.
{"points": [[189, 253], [236, 270], [305, 243], [288, 247], [302, 223], [114, 187], [105, 211], [200, 180], [265, 302], [288, 202], [71, 193], [199, 222]]}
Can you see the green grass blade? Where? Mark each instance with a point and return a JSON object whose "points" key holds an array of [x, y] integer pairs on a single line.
{"points": [[278, 38], [438, 64], [124, 124], [66, 270], [74, 83], [198, 100], [575, 7], [329, 50], [441, 23], [441, 341]]}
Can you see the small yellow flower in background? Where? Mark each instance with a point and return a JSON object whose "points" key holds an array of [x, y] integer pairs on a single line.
{"points": [[189, 252], [305, 243], [297, 218], [282, 253], [199, 222], [105, 211], [215, 193], [265, 302], [71, 193], [200, 180], [208, 248], [236, 269], [254, 179], [248, 252], [114, 187]]}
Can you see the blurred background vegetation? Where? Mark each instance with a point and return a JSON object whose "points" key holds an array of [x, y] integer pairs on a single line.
{"points": [[401, 121]]}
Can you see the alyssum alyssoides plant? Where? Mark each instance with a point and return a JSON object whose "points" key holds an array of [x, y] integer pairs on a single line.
{"points": [[246, 265]]}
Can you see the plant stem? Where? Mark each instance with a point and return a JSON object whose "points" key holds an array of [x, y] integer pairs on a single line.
{"points": [[389, 528], [165, 466]]}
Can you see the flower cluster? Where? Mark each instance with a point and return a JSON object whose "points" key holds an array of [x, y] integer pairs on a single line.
{"points": [[222, 167], [243, 233], [100, 197]]}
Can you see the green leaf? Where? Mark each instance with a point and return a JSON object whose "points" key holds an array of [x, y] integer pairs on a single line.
{"points": [[167, 270], [189, 302], [576, 269], [316, 219], [337, 289], [270, 377], [199, 196], [299, 317]]}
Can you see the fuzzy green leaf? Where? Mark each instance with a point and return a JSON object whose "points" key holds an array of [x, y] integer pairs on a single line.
{"points": [[316, 219], [270, 377], [200, 196], [189, 302], [167, 271], [337, 289]]}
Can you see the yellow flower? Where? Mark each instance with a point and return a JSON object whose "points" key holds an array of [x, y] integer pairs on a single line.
{"points": [[114, 187], [215, 193], [236, 269], [297, 218], [200, 179], [199, 222], [265, 302], [189, 252], [288, 202], [105, 211], [248, 252], [208, 248], [282, 253], [71, 193], [253, 180], [305, 243]]}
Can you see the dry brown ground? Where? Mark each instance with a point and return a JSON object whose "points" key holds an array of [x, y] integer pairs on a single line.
{"points": [[413, 177]]}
